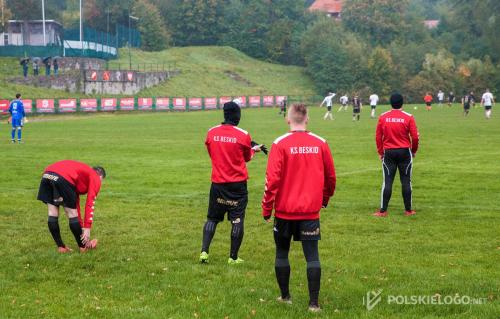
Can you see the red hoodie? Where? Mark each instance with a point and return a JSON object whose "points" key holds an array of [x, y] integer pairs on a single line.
{"points": [[85, 180], [229, 148], [300, 177], [396, 129]]}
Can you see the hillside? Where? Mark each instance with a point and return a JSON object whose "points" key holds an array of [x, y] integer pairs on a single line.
{"points": [[205, 71]]}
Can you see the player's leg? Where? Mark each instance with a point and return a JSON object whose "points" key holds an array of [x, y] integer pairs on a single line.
{"points": [[389, 168], [282, 239], [13, 132], [53, 225], [19, 133], [214, 216], [237, 232], [309, 236], [238, 196], [372, 114], [405, 166], [74, 225]]}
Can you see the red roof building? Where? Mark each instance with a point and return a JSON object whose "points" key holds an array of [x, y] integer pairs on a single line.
{"points": [[333, 8]]}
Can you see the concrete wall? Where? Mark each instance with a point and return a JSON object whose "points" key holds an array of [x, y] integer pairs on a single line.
{"points": [[140, 82]]}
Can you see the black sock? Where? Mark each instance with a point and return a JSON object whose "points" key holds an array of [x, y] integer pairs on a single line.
{"points": [[282, 269], [313, 281], [76, 229], [208, 234], [236, 237], [53, 224]]}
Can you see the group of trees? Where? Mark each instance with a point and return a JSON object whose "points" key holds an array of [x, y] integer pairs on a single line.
{"points": [[377, 45]]}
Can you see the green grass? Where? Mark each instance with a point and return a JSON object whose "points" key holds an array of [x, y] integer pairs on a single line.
{"points": [[203, 73], [152, 207]]}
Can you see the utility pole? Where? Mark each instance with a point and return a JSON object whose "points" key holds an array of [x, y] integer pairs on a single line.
{"points": [[81, 27], [130, 38], [43, 22]]}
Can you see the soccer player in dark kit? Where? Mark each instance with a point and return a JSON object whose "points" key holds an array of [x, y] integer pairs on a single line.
{"points": [[62, 184], [300, 179], [356, 108], [397, 143], [229, 147]]}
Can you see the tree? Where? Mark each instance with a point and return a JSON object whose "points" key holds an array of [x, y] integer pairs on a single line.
{"points": [[381, 71], [153, 32]]}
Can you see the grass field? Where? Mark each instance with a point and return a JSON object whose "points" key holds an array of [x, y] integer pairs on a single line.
{"points": [[152, 207]]}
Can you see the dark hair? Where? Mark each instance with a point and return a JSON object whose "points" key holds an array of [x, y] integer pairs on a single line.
{"points": [[18, 95], [396, 100], [100, 171], [298, 112]]}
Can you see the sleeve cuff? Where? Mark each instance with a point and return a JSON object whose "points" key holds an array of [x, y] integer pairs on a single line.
{"points": [[87, 225], [267, 212]]}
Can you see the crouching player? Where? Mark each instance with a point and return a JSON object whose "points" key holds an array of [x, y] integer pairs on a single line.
{"points": [[62, 184], [300, 179], [229, 148]]}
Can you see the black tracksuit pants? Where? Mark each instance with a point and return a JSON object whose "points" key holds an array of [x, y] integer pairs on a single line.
{"points": [[397, 159]]}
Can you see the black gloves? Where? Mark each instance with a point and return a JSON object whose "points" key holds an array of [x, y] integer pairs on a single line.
{"points": [[263, 148]]}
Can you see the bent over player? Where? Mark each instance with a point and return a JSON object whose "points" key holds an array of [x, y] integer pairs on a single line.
{"points": [[300, 179], [62, 184], [229, 147], [397, 144]]}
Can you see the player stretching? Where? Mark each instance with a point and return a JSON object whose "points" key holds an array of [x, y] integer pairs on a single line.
{"points": [[487, 101], [329, 102], [16, 110], [397, 143], [356, 108], [373, 103], [343, 103], [229, 148], [440, 97], [62, 184], [451, 98], [466, 101], [428, 101], [300, 179]]}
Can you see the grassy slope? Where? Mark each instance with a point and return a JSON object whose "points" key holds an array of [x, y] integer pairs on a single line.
{"points": [[202, 74], [152, 207]]}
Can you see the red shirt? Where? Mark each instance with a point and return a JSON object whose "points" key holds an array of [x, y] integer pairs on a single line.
{"points": [[229, 148], [428, 98], [300, 177], [85, 180], [396, 129]]}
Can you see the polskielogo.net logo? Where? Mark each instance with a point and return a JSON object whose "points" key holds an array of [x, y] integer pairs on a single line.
{"points": [[374, 297]]}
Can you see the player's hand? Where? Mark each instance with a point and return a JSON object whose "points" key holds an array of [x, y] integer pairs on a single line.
{"points": [[413, 154], [381, 157], [85, 235], [267, 219], [257, 148]]}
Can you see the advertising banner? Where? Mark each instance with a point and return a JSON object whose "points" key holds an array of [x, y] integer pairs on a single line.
{"points": [[88, 105], [195, 103], [67, 106], [45, 106], [179, 103], [242, 99], [145, 103], [28, 106], [108, 104], [163, 103], [280, 99], [210, 103], [224, 99], [254, 101], [127, 104], [268, 100], [4, 106]]}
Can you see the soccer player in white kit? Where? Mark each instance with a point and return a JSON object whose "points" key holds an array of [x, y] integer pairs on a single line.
{"points": [[373, 103], [487, 101], [329, 102], [343, 103], [440, 97]]}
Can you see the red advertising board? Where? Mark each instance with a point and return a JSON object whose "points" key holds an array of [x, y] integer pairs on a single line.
{"points": [[88, 105], [108, 104], [179, 103], [127, 104], [254, 101], [223, 100], [210, 103], [280, 99], [45, 106], [195, 103], [28, 106], [4, 106], [242, 100], [145, 103], [67, 106], [163, 103], [268, 100]]}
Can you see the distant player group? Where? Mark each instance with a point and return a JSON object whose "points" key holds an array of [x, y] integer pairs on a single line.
{"points": [[468, 99]]}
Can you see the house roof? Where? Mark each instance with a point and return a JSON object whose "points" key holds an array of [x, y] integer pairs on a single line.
{"points": [[330, 6], [431, 24]]}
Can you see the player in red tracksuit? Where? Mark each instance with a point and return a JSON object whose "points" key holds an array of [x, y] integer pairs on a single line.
{"points": [[397, 143], [229, 147], [300, 179], [62, 184]]}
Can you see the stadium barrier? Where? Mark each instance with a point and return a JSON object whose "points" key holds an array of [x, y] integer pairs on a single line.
{"points": [[113, 104]]}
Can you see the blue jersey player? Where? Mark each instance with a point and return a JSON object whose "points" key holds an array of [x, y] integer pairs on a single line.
{"points": [[16, 110]]}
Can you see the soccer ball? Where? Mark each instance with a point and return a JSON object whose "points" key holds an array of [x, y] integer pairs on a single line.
{"points": [[415, 108]]}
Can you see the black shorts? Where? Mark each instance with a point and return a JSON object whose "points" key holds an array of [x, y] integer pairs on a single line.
{"points": [[428, 103], [298, 229], [373, 107], [56, 190], [466, 106], [356, 110], [230, 198], [487, 107], [329, 108]]}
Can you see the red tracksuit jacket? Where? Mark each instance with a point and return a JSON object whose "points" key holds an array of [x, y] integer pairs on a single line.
{"points": [[300, 177], [85, 180], [396, 129], [229, 148]]}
